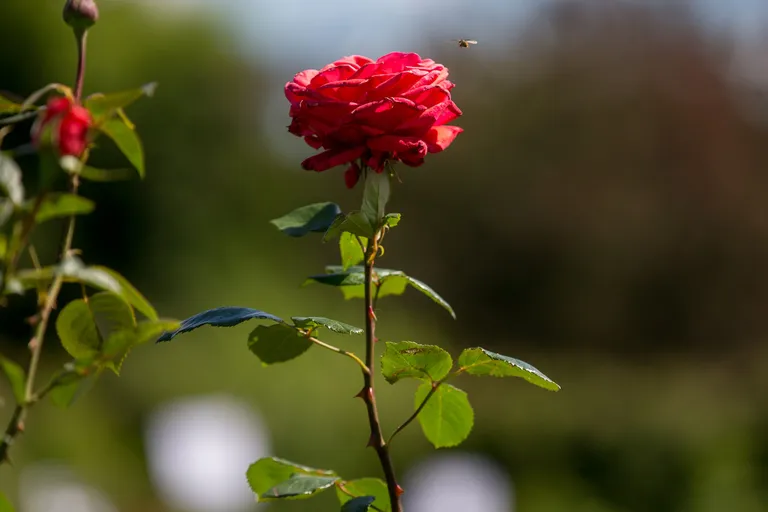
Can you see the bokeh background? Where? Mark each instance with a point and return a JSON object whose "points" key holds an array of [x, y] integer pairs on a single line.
{"points": [[604, 216]]}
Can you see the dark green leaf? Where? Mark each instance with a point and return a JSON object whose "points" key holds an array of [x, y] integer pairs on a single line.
{"points": [[353, 222], [103, 106], [375, 197], [361, 504], [16, 376], [77, 330], [3, 245], [365, 487], [127, 141], [406, 359], [60, 205], [226, 316], [429, 292], [351, 248], [268, 473], [277, 343], [313, 218], [447, 417], [10, 180], [338, 279], [478, 361], [299, 487], [313, 322], [5, 504]]}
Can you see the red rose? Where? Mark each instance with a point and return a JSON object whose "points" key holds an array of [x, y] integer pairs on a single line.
{"points": [[64, 125], [396, 108]]}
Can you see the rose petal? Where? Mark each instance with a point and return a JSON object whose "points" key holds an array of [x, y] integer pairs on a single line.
{"points": [[440, 137], [305, 77], [352, 175], [332, 158], [396, 62], [398, 144]]}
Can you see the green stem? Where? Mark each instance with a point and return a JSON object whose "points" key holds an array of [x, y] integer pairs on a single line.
{"points": [[415, 414], [339, 351], [16, 423], [367, 394], [80, 36]]}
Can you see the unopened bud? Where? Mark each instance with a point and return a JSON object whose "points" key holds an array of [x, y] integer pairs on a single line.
{"points": [[81, 14]]}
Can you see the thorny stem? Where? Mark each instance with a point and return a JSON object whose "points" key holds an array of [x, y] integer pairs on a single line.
{"points": [[367, 394]]}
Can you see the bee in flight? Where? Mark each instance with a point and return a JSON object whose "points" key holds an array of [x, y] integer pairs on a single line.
{"points": [[464, 43]]}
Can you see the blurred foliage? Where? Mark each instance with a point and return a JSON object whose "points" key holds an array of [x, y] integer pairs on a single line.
{"points": [[603, 217]]}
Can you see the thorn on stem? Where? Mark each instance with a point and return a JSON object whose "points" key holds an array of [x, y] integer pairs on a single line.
{"points": [[371, 441], [33, 344], [371, 314], [20, 427], [399, 490]]}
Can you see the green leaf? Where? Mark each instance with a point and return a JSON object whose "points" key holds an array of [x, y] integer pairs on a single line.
{"points": [[360, 504], [365, 487], [60, 205], [351, 248], [10, 180], [277, 343], [432, 294], [313, 218], [66, 394], [5, 504], [406, 359], [271, 478], [299, 487], [313, 322], [375, 198], [390, 282], [353, 222], [103, 106], [105, 175], [392, 219], [226, 316], [478, 361], [3, 245], [127, 141], [8, 106], [77, 330], [16, 376], [129, 293], [447, 417]]}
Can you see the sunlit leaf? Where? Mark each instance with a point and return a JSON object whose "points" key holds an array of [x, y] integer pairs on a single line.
{"points": [[313, 322], [119, 343], [129, 292], [338, 279], [127, 141], [364, 487], [313, 218], [105, 175], [392, 219], [60, 205], [103, 106], [271, 478], [72, 390], [9, 106], [226, 316], [277, 343], [10, 180], [447, 418], [16, 376], [77, 330], [478, 361], [406, 359], [351, 248]]}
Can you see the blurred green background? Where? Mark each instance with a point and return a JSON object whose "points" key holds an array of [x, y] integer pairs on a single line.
{"points": [[603, 217]]}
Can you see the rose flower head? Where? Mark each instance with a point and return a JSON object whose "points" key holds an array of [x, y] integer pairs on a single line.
{"points": [[365, 113], [64, 126]]}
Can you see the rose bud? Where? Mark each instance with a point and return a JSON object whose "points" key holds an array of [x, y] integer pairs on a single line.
{"points": [[81, 14], [63, 126]]}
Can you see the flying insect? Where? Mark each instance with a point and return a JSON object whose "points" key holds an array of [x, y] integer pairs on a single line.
{"points": [[464, 43]]}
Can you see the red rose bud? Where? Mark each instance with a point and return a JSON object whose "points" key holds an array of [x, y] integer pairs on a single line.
{"points": [[396, 108], [81, 14], [63, 126]]}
